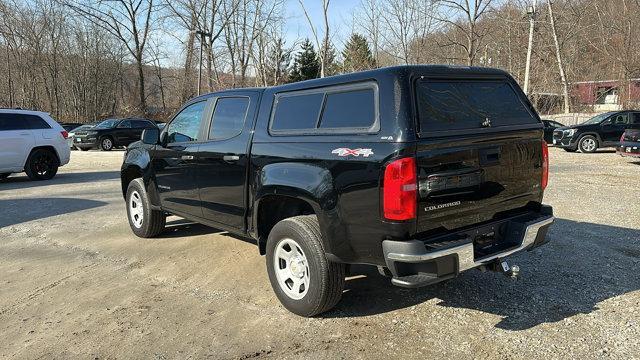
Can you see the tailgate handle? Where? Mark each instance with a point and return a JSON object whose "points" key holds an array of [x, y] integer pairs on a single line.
{"points": [[489, 156]]}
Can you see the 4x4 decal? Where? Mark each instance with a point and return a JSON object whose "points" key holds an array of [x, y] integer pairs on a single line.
{"points": [[352, 152]]}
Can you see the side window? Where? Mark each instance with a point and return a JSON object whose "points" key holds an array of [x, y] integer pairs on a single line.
{"points": [[636, 119], [349, 109], [341, 108], [228, 117], [35, 122], [140, 124], [126, 124], [10, 122], [186, 125], [297, 112], [620, 119]]}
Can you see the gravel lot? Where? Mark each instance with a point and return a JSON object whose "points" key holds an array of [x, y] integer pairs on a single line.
{"points": [[75, 282]]}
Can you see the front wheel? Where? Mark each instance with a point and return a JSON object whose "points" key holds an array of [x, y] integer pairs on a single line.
{"points": [[143, 220], [588, 144], [302, 277], [106, 144]]}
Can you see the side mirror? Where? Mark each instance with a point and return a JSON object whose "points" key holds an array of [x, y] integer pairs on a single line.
{"points": [[150, 136]]}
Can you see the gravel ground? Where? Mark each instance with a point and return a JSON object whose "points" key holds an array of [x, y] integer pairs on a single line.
{"points": [[75, 282]]}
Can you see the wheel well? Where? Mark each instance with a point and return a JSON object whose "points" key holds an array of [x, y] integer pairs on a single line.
{"points": [[273, 209], [128, 175], [49, 148]]}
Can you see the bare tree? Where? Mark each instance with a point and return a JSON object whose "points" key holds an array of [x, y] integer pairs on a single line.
{"points": [[463, 16], [563, 77], [130, 22], [324, 46]]}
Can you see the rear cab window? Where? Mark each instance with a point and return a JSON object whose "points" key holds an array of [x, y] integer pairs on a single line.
{"points": [[339, 109], [467, 105]]}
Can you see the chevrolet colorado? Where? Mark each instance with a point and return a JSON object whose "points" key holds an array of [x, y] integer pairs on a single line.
{"points": [[422, 171]]}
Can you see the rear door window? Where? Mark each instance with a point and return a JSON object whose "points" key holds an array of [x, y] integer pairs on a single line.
{"points": [[467, 105], [228, 117], [10, 122]]}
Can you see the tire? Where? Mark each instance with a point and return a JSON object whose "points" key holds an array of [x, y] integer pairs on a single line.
{"points": [[106, 143], [570, 150], [84, 149], [320, 282], [144, 222], [42, 164], [588, 144]]}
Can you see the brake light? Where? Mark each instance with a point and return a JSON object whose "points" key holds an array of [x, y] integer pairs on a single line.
{"points": [[545, 165], [64, 134], [399, 197], [622, 138]]}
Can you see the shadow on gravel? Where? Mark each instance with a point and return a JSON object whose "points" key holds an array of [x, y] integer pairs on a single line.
{"points": [[583, 265], [17, 211], [21, 181]]}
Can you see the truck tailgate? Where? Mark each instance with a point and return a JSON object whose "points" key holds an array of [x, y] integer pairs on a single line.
{"points": [[475, 179], [480, 155]]}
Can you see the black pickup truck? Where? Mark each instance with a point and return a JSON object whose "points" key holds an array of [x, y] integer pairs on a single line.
{"points": [[422, 171]]}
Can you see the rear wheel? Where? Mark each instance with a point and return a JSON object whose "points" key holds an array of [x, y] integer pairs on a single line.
{"points": [[42, 164], [106, 144], [143, 220], [588, 144], [304, 281]]}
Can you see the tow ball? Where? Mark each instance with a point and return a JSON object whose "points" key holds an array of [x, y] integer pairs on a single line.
{"points": [[502, 266]]}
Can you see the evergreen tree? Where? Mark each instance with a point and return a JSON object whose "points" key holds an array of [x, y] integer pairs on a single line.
{"points": [[277, 63], [306, 65], [357, 55], [332, 66]]}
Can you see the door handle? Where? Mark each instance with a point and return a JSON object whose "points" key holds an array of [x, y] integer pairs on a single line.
{"points": [[231, 158], [186, 157], [25, 134]]}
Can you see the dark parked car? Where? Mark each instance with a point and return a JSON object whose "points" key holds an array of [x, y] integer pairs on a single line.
{"points": [[630, 144], [600, 131], [70, 126], [111, 133], [422, 171], [549, 127]]}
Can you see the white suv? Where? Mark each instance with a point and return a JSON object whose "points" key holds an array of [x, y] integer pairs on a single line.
{"points": [[31, 141]]}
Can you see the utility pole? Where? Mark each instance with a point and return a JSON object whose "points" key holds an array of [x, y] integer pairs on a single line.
{"points": [[531, 12], [202, 36]]}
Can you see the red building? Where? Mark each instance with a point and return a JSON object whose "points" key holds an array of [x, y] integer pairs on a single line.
{"points": [[606, 95]]}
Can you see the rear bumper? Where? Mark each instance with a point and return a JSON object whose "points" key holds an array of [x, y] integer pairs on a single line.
{"points": [[416, 263], [630, 149]]}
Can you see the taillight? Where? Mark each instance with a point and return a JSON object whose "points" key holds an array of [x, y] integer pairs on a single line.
{"points": [[399, 189], [622, 138], [64, 134], [545, 165]]}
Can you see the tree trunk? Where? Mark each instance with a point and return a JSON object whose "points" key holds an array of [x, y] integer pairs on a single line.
{"points": [[563, 78], [143, 100]]}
